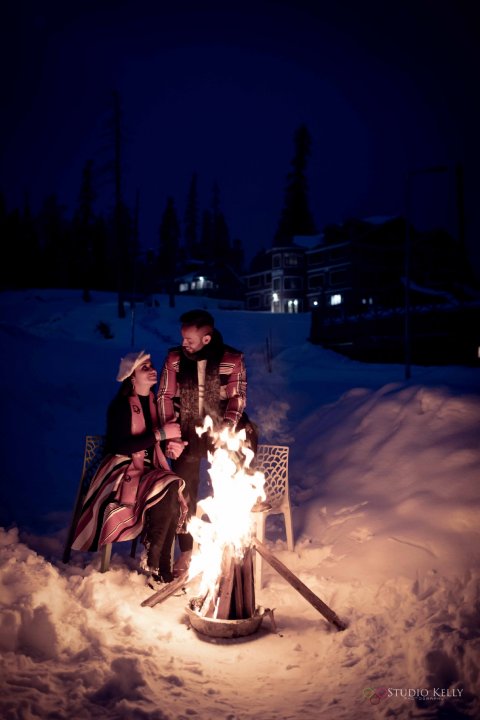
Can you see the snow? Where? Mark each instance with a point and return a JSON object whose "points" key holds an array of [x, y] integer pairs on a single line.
{"points": [[384, 483]]}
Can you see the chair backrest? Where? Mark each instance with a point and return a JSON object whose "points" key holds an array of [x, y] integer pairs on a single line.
{"points": [[93, 454], [272, 460]]}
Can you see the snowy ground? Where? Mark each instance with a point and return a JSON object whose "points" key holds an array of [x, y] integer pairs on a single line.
{"points": [[384, 482]]}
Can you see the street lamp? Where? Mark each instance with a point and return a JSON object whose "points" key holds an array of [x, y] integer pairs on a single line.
{"points": [[434, 169]]}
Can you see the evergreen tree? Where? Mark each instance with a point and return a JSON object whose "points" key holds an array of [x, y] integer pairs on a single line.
{"points": [[237, 256], [169, 247], [191, 219], [102, 276], [135, 249], [120, 222], [29, 247], [54, 237], [14, 278], [296, 218], [206, 237], [83, 228], [121, 216], [220, 241], [5, 270]]}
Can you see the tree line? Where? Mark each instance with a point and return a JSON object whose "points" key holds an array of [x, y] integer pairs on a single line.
{"points": [[101, 251], [93, 250]]}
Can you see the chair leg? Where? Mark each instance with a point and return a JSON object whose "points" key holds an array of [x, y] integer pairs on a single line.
{"points": [[287, 516], [133, 549], [105, 557]]}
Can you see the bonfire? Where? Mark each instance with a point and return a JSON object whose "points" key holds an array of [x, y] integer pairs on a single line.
{"points": [[224, 531]]}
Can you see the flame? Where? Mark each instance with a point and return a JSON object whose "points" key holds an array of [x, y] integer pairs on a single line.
{"points": [[236, 488]]}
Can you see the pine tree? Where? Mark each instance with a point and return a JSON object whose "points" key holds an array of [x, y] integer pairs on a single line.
{"points": [[220, 240], [206, 237], [191, 219], [29, 247], [83, 229], [296, 218], [5, 240], [120, 223], [169, 246], [237, 256], [55, 235]]}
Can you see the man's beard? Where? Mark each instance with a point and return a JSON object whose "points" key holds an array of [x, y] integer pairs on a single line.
{"points": [[195, 355]]}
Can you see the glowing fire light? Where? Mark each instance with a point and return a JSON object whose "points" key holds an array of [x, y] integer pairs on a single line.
{"points": [[236, 489]]}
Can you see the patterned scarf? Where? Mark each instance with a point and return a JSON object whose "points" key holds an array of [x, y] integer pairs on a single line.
{"points": [[188, 381]]}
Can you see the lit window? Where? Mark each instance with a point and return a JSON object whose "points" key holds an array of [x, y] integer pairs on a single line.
{"points": [[293, 306], [336, 300], [275, 297], [183, 287]]}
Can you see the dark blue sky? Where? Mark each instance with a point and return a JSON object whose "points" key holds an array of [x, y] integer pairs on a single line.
{"points": [[219, 88]]}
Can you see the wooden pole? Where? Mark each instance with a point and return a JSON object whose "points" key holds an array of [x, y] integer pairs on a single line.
{"points": [[168, 589], [298, 585]]}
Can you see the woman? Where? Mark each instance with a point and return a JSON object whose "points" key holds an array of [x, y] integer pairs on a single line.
{"points": [[134, 490]]}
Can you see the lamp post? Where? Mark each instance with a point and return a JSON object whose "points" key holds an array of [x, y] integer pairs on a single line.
{"points": [[434, 169]]}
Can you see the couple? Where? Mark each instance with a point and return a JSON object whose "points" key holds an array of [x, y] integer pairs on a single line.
{"points": [[135, 491]]}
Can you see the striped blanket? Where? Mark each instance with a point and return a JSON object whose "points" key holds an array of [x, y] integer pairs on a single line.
{"points": [[104, 519]]}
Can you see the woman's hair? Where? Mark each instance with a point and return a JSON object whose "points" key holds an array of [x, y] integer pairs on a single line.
{"points": [[126, 388]]}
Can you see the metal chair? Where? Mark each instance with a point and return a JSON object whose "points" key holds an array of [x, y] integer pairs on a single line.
{"points": [[272, 460], [92, 456]]}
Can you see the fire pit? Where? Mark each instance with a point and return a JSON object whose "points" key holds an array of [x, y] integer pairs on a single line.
{"points": [[224, 606], [225, 628]]}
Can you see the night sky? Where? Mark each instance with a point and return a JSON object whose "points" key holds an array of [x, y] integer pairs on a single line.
{"points": [[219, 89]]}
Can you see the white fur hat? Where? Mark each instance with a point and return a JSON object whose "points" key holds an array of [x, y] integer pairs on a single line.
{"points": [[129, 363]]}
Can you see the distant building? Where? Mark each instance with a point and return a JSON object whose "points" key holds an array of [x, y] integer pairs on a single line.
{"points": [[356, 268], [277, 281], [356, 291], [212, 280]]}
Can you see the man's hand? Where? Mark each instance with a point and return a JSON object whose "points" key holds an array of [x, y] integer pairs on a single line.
{"points": [[175, 448], [172, 430]]}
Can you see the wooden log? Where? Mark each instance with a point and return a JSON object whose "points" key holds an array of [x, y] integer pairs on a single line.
{"points": [[208, 607], [248, 583], [239, 610], [168, 589], [222, 610], [299, 585]]}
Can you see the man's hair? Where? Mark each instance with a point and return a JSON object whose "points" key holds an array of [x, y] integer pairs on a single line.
{"points": [[197, 318]]}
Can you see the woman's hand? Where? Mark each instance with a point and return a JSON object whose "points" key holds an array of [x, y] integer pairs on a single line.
{"points": [[175, 448]]}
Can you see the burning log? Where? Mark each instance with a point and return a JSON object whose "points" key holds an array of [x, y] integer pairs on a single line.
{"points": [[238, 591], [299, 585], [222, 609], [234, 596], [248, 579]]}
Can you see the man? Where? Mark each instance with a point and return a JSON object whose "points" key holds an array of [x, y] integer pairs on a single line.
{"points": [[201, 377]]}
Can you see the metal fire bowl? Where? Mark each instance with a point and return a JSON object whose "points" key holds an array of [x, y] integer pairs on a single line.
{"points": [[225, 628]]}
